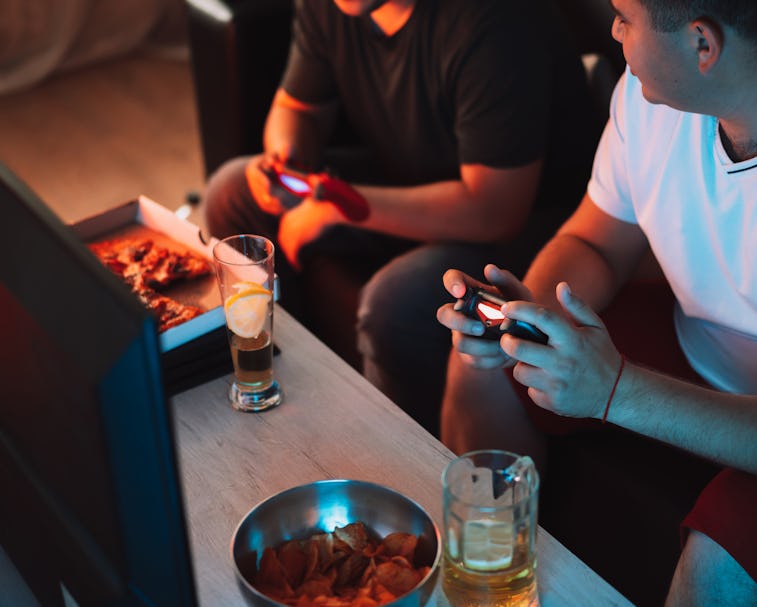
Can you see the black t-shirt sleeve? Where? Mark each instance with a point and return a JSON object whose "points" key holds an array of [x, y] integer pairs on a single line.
{"points": [[308, 75], [501, 86]]}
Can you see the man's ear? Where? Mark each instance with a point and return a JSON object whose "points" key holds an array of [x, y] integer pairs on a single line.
{"points": [[707, 39]]}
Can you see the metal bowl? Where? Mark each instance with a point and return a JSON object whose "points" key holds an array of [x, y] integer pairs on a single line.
{"points": [[302, 511]]}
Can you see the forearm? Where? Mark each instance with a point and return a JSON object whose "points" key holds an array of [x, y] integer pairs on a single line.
{"points": [[715, 425], [484, 205], [297, 131], [432, 212], [593, 252], [570, 259]]}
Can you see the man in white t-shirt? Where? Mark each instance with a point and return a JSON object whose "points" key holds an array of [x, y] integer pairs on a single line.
{"points": [[675, 171]]}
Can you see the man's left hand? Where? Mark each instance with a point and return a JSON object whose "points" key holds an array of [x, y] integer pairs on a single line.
{"points": [[304, 224], [573, 375]]}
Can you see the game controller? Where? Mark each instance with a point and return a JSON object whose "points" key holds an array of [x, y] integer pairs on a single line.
{"points": [[319, 186], [486, 307]]}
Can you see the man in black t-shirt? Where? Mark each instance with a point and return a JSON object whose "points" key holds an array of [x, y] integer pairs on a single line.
{"points": [[469, 115]]}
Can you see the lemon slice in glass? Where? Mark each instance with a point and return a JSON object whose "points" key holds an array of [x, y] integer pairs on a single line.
{"points": [[487, 545], [246, 310]]}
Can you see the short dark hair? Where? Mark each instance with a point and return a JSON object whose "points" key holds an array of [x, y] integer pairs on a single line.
{"points": [[669, 15]]}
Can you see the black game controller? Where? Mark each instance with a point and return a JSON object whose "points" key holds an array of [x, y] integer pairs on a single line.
{"points": [[486, 307]]}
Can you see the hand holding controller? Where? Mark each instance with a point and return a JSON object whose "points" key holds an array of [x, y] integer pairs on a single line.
{"points": [[486, 307], [320, 186]]}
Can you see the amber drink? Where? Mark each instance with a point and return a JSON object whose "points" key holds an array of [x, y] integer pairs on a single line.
{"points": [[253, 359], [244, 267], [490, 521]]}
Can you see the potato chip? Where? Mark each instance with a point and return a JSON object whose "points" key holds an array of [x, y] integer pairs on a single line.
{"points": [[354, 535], [272, 574], [400, 544], [293, 561], [316, 586], [349, 567], [397, 578]]}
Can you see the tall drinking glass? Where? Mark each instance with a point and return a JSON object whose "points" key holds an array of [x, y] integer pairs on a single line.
{"points": [[490, 520], [244, 268]]}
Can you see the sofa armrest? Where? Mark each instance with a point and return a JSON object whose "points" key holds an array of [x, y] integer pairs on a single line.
{"points": [[239, 50]]}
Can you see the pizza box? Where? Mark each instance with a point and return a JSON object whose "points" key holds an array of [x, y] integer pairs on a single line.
{"points": [[196, 350], [144, 218]]}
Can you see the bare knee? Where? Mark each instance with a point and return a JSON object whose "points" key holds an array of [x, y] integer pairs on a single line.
{"points": [[481, 410], [707, 575]]}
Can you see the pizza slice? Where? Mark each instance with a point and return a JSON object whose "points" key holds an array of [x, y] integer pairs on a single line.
{"points": [[161, 267], [146, 267], [142, 262], [122, 255], [169, 312]]}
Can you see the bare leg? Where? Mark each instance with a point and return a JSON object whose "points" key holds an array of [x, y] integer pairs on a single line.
{"points": [[707, 575], [480, 410]]}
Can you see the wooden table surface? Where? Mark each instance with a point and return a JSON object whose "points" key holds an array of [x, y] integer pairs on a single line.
{"points": [[332, 424]]}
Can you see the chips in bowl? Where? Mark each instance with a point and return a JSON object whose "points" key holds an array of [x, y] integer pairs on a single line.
{"points": [[337, 543]]}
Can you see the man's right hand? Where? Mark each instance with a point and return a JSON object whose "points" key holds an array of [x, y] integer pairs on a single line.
{"points": [[466, 332], [270, 196]]}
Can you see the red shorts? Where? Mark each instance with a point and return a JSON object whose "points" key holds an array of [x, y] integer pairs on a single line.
{"points": [[640, 321], [726, 511]]}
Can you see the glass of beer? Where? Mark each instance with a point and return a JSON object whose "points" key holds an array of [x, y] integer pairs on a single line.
{"points": [[490, 521], [244, 267]]}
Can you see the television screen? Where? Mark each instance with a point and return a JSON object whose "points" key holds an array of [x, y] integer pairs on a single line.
{"points": [[92, 505]]}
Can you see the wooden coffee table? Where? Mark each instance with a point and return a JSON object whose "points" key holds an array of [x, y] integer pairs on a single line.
{"points": [[332, 424]]}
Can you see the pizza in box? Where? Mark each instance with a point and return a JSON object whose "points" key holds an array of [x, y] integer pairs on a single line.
{"points": [[150, 269]]}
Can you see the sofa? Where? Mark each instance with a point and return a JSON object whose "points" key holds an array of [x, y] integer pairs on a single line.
{"points": [[41, 38], [612, 498]]}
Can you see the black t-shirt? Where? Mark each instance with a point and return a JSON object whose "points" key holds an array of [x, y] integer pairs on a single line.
{"points": [[462, 82]]}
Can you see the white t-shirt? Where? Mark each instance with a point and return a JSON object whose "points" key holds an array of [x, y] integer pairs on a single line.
{"points": [[668, 172]]}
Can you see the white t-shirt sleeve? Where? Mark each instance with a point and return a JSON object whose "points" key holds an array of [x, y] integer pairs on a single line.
{"points": [[609, 185]]}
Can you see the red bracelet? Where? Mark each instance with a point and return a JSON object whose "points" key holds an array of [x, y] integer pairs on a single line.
{"points": [[614, 386]]}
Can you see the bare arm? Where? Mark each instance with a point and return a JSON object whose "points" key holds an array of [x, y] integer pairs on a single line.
{"points": [[593, 252], [574, 375], [484, 205], [715, 425], [297, 131]]}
